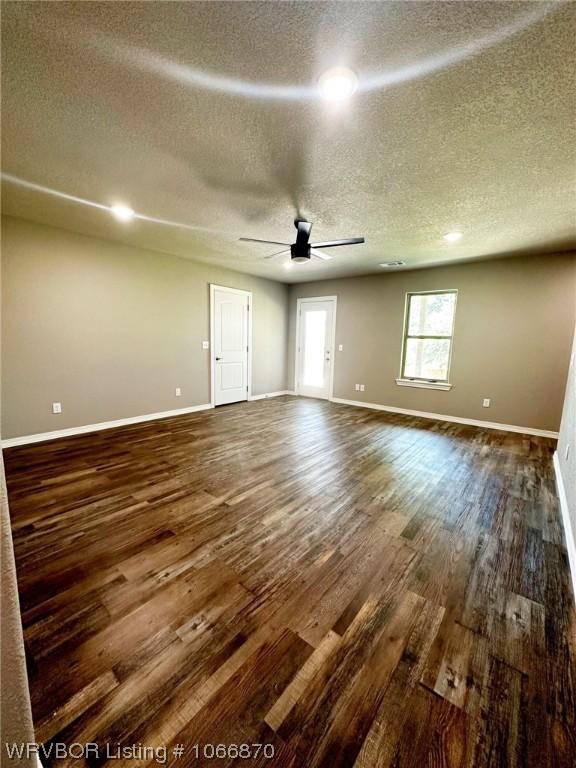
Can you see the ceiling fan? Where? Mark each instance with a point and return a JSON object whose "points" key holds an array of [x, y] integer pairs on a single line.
{"points": [[302, 249]]}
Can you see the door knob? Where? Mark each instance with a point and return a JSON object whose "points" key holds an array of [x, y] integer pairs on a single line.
{"points": [[218, 358]]}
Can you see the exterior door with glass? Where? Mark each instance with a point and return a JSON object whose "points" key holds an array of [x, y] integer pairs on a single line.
{"points": [[315, 351]]}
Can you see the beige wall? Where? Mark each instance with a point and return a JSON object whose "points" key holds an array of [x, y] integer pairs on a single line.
{"points": [[512, 338], [110, 330], [567, 438]]}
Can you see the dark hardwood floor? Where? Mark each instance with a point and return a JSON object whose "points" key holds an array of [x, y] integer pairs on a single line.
{"points": [[352, 587]]}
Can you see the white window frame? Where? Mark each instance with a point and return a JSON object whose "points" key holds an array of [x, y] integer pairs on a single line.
{"points": [[403, 381]]}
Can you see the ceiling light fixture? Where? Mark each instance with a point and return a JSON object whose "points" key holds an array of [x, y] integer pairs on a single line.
{"points": [[337, 84], [427, 64], [393, 264], [451, 237], [123, 212], [8, 178]]}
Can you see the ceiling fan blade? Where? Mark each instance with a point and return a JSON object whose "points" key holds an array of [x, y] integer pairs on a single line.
{"points": [[323, 256], [278, 253], [333, 243], [257, 240]]}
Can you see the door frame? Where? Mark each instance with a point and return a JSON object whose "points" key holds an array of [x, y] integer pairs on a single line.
{"points": [[215, 287], [299, 303]]}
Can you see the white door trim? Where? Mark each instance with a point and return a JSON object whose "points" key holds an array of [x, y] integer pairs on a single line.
{"points": [[299, 303], [215, 287]]}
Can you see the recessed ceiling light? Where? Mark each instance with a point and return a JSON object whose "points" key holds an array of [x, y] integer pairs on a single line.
{"points": [[337, 84], [393, 264], [122, 212], [452, 236]]}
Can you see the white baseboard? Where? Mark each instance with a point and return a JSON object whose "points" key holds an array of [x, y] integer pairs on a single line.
{"points": [[71, 431], [442, 417], [272, 394], [568, 532]]}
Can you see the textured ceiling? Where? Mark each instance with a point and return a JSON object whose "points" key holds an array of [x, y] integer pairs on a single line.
{"points": [[206, 114]]}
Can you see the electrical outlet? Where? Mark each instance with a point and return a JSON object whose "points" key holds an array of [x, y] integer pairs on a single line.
{"points": [[205, 345], [357, 387], [56, 407], [340, 347], [567, 452], [362, 387], [486, 402], [178, 392]]}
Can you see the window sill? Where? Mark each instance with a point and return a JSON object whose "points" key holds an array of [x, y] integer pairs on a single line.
{"points": [[424, 384]]}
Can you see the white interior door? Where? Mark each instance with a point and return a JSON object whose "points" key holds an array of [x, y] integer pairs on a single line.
{"points": [[315, 355], [230, 344]]}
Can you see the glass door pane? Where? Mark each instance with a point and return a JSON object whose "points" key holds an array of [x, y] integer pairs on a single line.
{"points": [[314, 347]]}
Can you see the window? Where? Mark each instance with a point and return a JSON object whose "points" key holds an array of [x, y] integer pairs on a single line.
{"points": [[428, 329]]}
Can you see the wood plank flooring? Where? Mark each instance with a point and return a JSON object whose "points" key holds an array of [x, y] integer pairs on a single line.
{"points": [[352, 587]]}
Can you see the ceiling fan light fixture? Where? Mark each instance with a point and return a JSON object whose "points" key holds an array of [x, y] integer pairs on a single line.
{"points": [[337, 84]]}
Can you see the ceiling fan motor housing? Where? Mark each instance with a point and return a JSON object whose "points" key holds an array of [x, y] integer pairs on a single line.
{"points": [[300, 252]]}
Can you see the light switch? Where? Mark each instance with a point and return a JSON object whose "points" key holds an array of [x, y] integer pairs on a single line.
{"points": [[362, 387], [178, 392], [205, 345], [340, 347], [56, 407], [486, 402]]}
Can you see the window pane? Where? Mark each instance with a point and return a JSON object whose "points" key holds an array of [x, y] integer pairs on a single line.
{"points": [[427, 358], [314, 341], [431, 314]]}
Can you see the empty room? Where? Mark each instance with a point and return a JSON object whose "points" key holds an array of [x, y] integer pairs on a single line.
{"points": [[288, 391]]}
